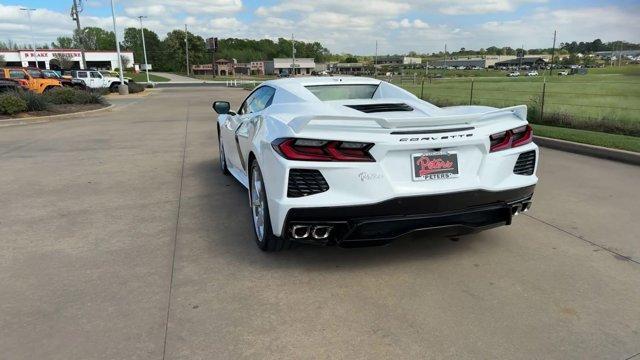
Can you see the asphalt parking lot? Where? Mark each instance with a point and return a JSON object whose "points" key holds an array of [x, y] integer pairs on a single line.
{"points": [[120, 239]]}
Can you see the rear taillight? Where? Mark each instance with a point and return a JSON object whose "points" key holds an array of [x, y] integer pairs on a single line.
{"points": [[322, 150], [511, 138]]}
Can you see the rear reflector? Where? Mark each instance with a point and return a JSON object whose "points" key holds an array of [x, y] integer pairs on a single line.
{"points": [[322, 150]]}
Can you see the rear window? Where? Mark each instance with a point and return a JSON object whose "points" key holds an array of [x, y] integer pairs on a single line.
{"points": [[343, 91]]}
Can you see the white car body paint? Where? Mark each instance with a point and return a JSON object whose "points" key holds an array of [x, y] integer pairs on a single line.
{"points": [[296, 113]]}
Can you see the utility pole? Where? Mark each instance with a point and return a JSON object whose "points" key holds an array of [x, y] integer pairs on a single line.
{"points": [[186, 46], [123, 89], [75, 15], [144, 48], [620, 55], [33, 39], [553, 53], [521, 56], [293, 55], [375, 61], [445, 58]]}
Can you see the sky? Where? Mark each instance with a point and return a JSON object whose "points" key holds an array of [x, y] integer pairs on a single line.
{"points": [[346, 26]]}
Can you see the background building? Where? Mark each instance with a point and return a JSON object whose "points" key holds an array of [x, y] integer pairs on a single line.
{"points": [[54, 58], [347, 68], [397, 60], [303, 66], [473, 62]]}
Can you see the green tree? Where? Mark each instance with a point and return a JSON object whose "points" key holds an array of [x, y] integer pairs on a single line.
{"points": [[63, 42], [174, 50], [133, 41], [95, 38], [2, 61]]}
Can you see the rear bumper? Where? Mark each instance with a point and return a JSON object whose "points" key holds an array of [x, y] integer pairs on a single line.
{"points": [[448, 214]]}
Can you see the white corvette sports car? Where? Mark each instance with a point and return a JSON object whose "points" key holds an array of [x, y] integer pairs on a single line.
{"points": [[353, 161]]}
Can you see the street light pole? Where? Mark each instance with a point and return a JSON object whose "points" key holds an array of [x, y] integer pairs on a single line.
{"points": [[293, 55], [33, 39], [186, 45], [123, 89], [144, 48]]}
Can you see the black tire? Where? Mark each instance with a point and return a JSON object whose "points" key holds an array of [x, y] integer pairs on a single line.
{"points": [[222, 156], [113, 87], [270, 242]]}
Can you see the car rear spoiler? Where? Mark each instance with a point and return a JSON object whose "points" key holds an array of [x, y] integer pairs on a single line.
{"points": [[367, 123]]}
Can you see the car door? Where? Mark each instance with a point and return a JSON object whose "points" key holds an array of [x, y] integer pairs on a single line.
{"points": [[234, 131], [261, 100], [84, 76], [96, 80]]}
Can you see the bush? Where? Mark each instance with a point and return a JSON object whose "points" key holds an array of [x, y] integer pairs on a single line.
{"points": [[35, 102], [73, 96], [11, 103], [135, 87]]}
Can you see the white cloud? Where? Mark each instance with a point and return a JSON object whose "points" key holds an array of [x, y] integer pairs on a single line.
{"points": [[343, 26], [406, 23], [465, 7]]}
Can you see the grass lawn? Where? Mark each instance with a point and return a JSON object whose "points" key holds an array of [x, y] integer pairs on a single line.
{"points": [[142, 77], [593, 101], [629, 143]]}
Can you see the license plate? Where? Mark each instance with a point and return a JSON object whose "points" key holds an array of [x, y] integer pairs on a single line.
{"points": [[434, 165]]}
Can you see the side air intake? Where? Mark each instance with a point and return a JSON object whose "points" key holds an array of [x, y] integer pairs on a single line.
{"points": [[526, 163], [304, 182], [375, 108]]}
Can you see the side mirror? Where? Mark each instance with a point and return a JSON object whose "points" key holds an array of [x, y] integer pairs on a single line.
{"points": [[221, 107]]}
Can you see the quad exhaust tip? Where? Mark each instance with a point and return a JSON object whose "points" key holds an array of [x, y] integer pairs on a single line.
{"points": [[317, 232], [518, 208], [300, 231]]}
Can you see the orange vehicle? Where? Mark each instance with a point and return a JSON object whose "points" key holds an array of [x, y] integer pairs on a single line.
{"points": [[36, 84]]}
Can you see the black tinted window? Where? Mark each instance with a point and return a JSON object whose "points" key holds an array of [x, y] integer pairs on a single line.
{"points": [[343, 91], [262, 99], [258, 100]]}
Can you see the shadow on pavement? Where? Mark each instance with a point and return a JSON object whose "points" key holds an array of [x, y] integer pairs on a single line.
{"points": [[229, 229]]}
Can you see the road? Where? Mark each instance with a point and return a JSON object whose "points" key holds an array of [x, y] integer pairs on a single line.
{"points": [[120, 239]]}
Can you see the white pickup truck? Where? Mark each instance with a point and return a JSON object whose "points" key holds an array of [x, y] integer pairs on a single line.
{"points": [[95, 80]]}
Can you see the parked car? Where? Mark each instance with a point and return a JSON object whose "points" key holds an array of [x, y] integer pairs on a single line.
{"points": [[532, 73], [115, 74], [563, 73], [513, 74], [95, 80], [51, 74], [325, 161], [37, 83]]}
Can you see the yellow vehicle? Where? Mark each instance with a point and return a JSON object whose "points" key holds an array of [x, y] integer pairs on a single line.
{"points": [[35, 82]]}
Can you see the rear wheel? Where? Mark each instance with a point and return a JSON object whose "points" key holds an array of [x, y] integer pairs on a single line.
{"points": [[265, 239]]}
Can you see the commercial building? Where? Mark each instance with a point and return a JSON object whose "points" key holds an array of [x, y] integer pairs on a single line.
{"points": [[531, 62], [397, 60], [54, 58], [278, 66], [471, 62], [347, 68]]}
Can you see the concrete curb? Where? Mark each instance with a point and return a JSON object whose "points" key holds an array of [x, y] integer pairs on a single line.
{"points": [[39, 119], [627, 157]]}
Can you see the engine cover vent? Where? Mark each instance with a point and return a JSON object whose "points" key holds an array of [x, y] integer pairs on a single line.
{"points": [[526, 163], [375, 108], [304, 182]]}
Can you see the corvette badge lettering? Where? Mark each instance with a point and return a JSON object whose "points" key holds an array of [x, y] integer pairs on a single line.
{"points": [[434, 138]]}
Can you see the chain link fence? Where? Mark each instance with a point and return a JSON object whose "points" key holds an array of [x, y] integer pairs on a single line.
{"points": [[587, 103]]}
